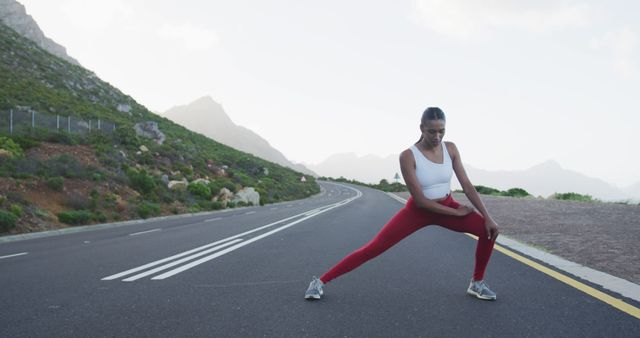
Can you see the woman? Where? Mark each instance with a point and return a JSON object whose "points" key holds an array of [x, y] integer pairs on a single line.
{"points": [[427, 168]]}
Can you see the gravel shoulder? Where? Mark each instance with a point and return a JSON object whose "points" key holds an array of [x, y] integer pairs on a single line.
{"points": [[602, 236]]}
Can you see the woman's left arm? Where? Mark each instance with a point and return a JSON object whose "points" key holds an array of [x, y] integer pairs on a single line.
{"points": [[470, 190]]}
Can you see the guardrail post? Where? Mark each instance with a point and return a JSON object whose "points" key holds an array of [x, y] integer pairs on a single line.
{"points": [[11, 121], [57, 122], [33, 119], [98, 124], [69, 124]]}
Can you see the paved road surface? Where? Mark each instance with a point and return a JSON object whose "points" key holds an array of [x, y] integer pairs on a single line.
{"points": [[243, 273]]}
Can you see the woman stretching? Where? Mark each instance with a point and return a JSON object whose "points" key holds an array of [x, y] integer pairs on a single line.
{"points": [[427, 168]]}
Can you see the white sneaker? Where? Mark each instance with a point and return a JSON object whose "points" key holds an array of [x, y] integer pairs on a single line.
{"points": [[315, 289], [481, 290]]}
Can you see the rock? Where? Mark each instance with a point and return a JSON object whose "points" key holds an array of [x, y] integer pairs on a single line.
{"points": [[149, 129], [5, 153], [165, 179], [144, 148], [14, 15], [124, 108], [201, 180], [178, 184], [123, 154], [247, 195], [138, 152], [225, 195], [265, 171]]}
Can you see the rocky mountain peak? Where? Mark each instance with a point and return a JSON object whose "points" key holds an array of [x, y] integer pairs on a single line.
{"points": [[14, 15]]}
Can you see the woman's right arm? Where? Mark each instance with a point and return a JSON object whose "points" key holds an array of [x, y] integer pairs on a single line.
{"points": [[408, 168]]}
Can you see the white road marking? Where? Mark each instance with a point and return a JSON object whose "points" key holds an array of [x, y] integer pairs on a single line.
{"points": [[247, 242], [144, 232], [227, 242], [273, 208], [124, 273], [180, 261], [213, 219], [14, 255], [249, 212]]}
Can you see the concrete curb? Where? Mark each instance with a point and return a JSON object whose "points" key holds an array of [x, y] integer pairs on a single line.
{"points": [[607, 281], [83, 228]]}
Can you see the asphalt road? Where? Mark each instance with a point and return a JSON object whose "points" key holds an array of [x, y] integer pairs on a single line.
{"points": [[244, 272]]}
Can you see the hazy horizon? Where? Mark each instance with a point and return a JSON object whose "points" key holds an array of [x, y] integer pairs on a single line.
{"points": [[521, 83]]}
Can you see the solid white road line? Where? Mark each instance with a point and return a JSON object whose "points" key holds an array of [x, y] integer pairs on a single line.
{"points": [[180, 261], [124, 273], [144, 232], [237, 246], [213, 219], [14, 255], [228, 241]]}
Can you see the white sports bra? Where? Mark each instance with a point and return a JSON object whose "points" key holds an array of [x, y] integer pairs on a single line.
{"points": [[434, 178]]}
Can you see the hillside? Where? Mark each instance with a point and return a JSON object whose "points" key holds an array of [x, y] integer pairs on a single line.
{"points": [[50, 179], [207, 117]]}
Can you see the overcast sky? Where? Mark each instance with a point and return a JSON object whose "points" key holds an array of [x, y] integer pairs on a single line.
{"points": [[521, 82]]}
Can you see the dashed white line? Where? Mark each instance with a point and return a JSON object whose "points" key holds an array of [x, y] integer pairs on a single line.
{"points": [[249, 212], [14, 255], [144, 232], [213, 219]]}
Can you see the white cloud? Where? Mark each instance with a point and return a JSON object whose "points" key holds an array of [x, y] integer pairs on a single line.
{"points": [[192, 37], [469, 19], [621, 44]]}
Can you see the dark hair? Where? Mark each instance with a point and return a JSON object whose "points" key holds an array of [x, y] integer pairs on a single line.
{"points": [[431, 114]]}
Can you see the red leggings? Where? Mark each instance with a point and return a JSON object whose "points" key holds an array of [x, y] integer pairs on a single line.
{"points": [[407, 221]]}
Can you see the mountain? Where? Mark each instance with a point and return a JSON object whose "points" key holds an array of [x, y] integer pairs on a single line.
{"points": [[14, 15], [367, 169], [545, 179], [540, 180], [207, 117], [141, 165]]}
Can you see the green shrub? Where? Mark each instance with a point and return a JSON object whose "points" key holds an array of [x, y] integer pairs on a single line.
{"points": [[64, 165], [55, 183], [516, 192], [16, 209], [75, 217], [199, 190], [141, 181], [25, 143], [7, 221], [486, 190], [14, 149], [217, 205], [572, 196], [147, 209], [221, 182]]}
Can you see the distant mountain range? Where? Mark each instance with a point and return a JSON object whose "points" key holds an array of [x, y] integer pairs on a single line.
{"points": [[540, 180], [207, 117], [14, 15]]}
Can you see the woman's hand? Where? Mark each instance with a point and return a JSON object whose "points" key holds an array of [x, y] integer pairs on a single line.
{"points": [[492, 229], [464, 210]]}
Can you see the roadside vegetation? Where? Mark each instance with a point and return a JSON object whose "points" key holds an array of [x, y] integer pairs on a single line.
{"points": [[51, 178], [384, 185]]}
